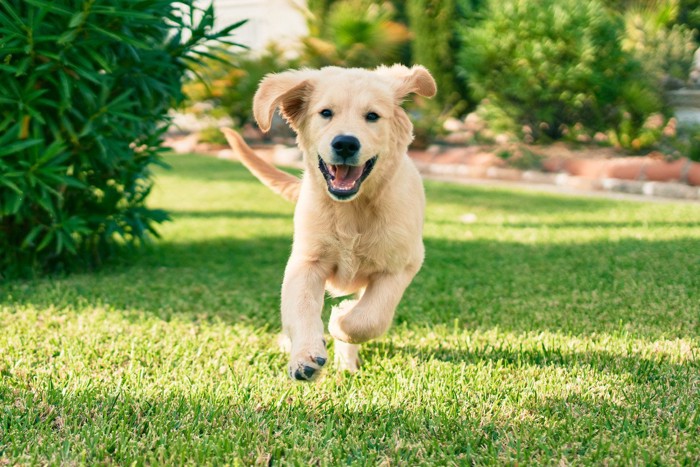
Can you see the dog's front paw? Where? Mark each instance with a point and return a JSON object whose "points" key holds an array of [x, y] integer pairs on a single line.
{"points": [[307, 361]]}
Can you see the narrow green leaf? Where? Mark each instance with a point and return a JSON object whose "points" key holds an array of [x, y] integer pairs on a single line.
{"points": [[50, 6], [4, 181], [31, 236], [77, 19], [46, 240], [18, 146], [68, 36]]}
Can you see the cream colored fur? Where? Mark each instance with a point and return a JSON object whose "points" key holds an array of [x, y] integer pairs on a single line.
{"points": [[369, 246]]}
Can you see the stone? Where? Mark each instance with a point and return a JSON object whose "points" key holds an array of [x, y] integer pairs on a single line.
{"points": [[433, 149], [600, 137], [286, 155], [693, 174], [183, 145], [534, 176], [623, 186], [473, 122], [453, 125], [670, 190], [504, 174], [460, 137], [695, 70], [502, 139]]}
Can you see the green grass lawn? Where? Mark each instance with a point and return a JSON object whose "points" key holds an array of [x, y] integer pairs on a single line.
{"points": [[548, 329]]}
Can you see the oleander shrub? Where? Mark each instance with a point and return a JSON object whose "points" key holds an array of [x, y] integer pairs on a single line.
{"points": [[552, 65], [85, 89]]}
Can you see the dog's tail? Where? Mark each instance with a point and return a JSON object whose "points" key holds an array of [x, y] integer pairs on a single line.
{"points": [[282, 183]]}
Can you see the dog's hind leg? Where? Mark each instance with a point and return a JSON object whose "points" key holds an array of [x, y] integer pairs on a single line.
{"points": [[373, 313], [347, 356], [302, 302]]}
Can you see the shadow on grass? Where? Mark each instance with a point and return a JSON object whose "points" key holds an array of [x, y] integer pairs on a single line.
{"points": [[641, 370], [229, 280], [520, 202], [600, 224], [231, 214], [209, 169], [651, 288]]}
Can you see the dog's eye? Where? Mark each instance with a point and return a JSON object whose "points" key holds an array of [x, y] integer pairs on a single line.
{"points": [[326, 113], [372, 117]]}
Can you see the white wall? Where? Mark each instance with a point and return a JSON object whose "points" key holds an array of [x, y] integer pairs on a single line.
{"points": [[280, 21]]}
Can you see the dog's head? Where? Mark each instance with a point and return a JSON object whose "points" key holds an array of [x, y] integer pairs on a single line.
{"points": [[349, 122]]}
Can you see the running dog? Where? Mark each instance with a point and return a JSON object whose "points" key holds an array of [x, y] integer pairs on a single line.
{"points": [[358, 220]]}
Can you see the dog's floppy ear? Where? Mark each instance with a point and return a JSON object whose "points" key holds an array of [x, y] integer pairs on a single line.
{"points": [[409, 80], [288, 90]]}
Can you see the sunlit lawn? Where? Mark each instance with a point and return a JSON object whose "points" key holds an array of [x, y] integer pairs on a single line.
{"points": [[544, 329]]}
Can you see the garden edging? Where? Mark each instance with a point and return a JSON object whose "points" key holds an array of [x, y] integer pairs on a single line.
{"points": [[482, 167], [669, 189], [600, 170]]}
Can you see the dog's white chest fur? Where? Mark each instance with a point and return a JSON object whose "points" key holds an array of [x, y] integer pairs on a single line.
{"points": [[359, 255], [360, 245]]}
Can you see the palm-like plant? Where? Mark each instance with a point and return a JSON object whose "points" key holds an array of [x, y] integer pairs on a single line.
{"points": [[357, 33]]}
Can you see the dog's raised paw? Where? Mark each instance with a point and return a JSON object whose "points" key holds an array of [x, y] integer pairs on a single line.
{"points": [[338, 313]]}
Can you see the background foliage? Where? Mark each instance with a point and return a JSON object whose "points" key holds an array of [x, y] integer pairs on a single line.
{"points": [[84, 93], [436, 45], [664, 48], [354, 33], [229, 81], [580, 71], [551, 65]]}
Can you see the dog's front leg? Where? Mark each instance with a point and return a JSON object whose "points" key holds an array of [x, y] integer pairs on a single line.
{"points": [[302, 302], [372, 314]]}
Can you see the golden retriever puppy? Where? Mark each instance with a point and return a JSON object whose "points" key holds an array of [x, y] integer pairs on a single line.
{"points": [[359, 216]]}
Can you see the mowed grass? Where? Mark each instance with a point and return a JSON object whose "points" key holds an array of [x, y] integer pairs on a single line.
{"points": [[542, 329]]}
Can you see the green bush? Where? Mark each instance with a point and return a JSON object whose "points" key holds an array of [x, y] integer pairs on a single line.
{"points": [[555, 64], [689, 15], [435, 45], [664, 49], [85, 87]]}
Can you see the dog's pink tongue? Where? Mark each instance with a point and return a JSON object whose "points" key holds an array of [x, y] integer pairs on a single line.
{"points": [[346, 176]]}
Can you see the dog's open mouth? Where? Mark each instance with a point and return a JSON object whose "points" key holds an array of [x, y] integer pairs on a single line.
{"points": [[344, 180]]}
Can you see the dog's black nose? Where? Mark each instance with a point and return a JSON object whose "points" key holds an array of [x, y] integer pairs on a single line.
{"points": [[345, 146]]}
